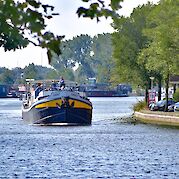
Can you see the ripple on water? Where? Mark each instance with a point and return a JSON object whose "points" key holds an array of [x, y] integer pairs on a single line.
{"points": [[110, 148]]}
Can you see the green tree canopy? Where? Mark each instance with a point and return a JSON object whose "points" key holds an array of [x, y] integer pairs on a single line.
{"points": [[23, 22], [7, 77], [102, 57], [90, 56], [128, 40], [30, 71], [162, 51], [75, 52], [163, 34]]}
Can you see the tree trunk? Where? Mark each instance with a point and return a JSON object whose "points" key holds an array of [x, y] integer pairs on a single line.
{"points": [[146, 94], [159, 89], [174, 88], [147, 87], [166, 86]]}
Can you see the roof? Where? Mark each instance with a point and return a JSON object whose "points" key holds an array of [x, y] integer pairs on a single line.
{"points": [[174, 79]]}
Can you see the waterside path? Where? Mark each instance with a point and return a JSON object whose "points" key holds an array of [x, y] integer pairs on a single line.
{"points": [[156, 117]]}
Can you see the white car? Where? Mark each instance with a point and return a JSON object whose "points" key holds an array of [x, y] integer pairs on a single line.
{"points": [[176, 107]]}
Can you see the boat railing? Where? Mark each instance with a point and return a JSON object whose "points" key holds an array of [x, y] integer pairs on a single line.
{"points": [[29, 98], [82, 94]]}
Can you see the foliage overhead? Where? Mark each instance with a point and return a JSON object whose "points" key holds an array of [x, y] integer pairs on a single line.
{"points": [[23, 22], [99, 8]]}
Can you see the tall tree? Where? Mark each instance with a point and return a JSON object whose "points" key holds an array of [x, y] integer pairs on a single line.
{"points": [[102, 57], [128, 40], [162, 31], [75, 52]]}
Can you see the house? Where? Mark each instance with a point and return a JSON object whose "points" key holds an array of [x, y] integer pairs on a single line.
{"points": [[174, 81]]}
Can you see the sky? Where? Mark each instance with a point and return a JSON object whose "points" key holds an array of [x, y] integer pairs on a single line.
{"points": [[68, 24]]}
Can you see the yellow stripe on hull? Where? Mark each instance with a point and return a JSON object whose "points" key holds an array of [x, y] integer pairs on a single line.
{"points": [[54, 103]]}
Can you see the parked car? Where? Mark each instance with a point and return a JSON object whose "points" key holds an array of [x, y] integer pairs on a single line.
{"points": [[171, 108], [160, 105], [176, 107]]}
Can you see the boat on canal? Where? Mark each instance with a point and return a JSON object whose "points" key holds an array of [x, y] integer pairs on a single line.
{"points": [[94, 89], [56, 106]]}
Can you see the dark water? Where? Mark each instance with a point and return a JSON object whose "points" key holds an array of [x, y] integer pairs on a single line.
{"points": [[109, 148]]}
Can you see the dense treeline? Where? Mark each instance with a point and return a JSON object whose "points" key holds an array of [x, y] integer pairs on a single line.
{"points": [[146, 44], [18, 75], [82, 57], [86, 57]]}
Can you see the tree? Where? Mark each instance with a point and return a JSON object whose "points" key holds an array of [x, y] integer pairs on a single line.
{"points": [[102, 57], [52, 74], [75, 52], [90, 57], [30, 72], [18, 75], [98, 8], [7, 77], [162, 32], [24, 22], [128, 40]]}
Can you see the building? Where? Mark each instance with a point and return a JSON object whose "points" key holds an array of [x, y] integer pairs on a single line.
{"points": [[174, 81]]}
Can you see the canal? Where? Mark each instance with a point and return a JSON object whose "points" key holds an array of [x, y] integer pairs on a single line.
{"points": [[112, 147]]}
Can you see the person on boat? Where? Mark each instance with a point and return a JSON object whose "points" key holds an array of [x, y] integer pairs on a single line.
{"points": [[38, 89], [53, 86], [62, 83]]}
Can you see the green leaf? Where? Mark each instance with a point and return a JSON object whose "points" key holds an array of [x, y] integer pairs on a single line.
{"points": [[115, 4], [34, 3]]}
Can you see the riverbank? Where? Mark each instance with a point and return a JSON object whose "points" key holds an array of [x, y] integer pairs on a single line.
{"points": [[157, 117]]}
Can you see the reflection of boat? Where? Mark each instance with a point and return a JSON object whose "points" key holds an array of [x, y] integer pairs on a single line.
{"points": [[58, 107]]}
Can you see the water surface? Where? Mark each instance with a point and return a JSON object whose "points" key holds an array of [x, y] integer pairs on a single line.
{"points": [[109, 148]]}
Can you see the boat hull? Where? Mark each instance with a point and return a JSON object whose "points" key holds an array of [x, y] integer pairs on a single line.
{"points": [[59, 110], [56, 116]]}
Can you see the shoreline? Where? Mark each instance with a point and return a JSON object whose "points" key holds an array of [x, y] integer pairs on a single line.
{"points": [[156, 117]]}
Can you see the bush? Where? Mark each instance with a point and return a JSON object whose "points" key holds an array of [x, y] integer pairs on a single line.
{"points": [[176, 95], [140, 105]]}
